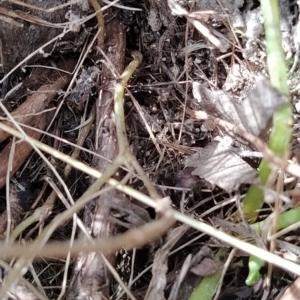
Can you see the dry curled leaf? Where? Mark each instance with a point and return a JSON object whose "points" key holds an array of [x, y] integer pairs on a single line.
{"points": [[158, 282], [207, 267], [252, 115], [219, 165]]}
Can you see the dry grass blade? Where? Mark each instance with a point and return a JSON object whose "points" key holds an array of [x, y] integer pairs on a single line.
{"points": [[198, 225], [41, 8], [28, 18], [100, 19], [133, 238], [105, 177], [176, 9]]}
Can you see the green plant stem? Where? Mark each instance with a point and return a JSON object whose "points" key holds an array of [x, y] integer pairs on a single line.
{"points": [[282, 119], [285, 219], [208, 286], [281, 132]]}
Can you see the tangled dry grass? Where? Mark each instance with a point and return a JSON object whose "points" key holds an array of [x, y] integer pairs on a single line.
{"points": [[102, 126]]}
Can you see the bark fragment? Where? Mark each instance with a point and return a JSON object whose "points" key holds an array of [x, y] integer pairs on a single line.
{"points": [[91, 278], [39, 100], [21, 150]]}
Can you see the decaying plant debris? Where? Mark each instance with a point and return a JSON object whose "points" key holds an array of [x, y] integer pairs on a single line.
{"points": [[198, 110]]}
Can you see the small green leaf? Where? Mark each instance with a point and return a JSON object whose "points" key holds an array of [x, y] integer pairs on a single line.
{"points": [[254, 265]]}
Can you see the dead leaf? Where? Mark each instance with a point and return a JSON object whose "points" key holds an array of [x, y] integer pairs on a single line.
{"points": [[252, 115], [185, 179], [21, 150], [219, 165], [207, 267], [160, 265]]}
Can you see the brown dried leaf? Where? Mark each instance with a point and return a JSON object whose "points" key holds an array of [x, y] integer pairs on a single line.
{"points": [[160, 265], [219, 165], [38, 101], [207, 267], [252, 115]]}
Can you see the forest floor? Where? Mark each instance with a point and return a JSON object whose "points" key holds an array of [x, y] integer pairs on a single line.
{"points": [[196, 71]]}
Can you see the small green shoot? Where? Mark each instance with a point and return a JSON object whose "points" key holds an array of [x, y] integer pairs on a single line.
{"points": [[208, 286]]}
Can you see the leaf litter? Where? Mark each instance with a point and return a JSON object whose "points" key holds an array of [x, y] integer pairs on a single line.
{"points": [[218, 163], [216, 65]]}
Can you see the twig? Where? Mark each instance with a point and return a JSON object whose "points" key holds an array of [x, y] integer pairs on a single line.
{"points": [[133, 238], [292, 168], [125, 154], [39, 214], [40, 242]]}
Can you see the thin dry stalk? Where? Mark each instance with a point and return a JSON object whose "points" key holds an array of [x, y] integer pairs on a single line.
{"points": [[101, 34], [133, 238], [52, 9], [291, 168], [28, 18], [105, 177]]}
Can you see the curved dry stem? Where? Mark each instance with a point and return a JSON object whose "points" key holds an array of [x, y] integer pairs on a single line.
{"points": [[40, 242], [39, 214], [133, 238], [119, 102], [124, 149], [100, 19]]}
